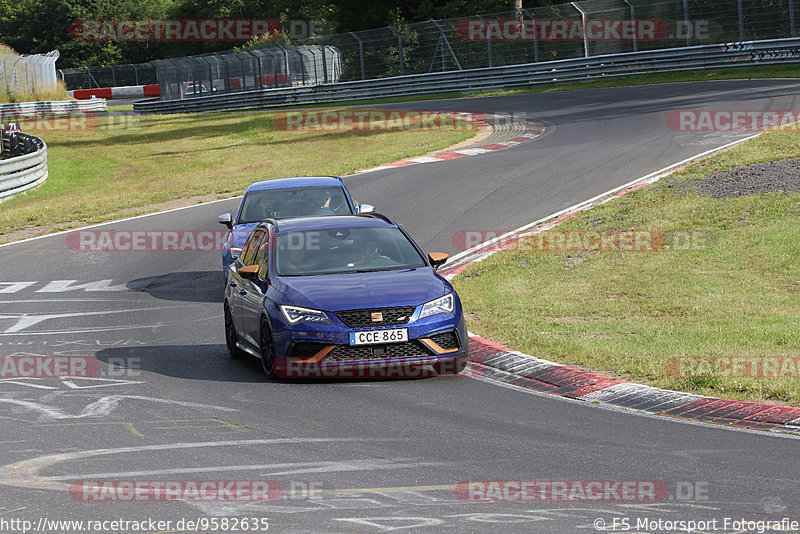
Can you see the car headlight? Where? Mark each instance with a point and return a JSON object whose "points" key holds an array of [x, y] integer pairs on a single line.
{"points": [[296, 314], [235, 251], [445, 304]]}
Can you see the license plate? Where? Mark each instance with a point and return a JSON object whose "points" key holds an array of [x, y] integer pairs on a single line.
{"points": [[377, 337]]}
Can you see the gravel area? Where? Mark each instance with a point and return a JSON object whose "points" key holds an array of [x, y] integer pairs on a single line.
{"points": [[773, 176]]}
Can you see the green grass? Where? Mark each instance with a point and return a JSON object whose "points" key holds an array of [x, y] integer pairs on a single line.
{"points": [[733, 293], [128, 164]]}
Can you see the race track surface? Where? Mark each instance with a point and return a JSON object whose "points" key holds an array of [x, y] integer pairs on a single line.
{"points": [[168, 404]]}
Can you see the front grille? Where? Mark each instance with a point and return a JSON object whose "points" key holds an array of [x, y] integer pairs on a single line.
{"points": [[305, 349], [446, 340], [356, 353], [364, 318]]}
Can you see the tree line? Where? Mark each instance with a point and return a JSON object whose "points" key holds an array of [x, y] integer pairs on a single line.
{"points": [[37, 26]]}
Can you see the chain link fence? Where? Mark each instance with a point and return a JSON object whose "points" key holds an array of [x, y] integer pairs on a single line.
{"points": [[564, 31], [109, 76], [28, 74]]}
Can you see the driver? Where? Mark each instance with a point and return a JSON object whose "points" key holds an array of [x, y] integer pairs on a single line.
{"points": [[322, 201], [268, 210], [371, 256]]}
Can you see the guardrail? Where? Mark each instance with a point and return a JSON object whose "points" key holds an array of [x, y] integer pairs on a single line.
{"points": [[24, 163], [52, 108], [474, 80]]}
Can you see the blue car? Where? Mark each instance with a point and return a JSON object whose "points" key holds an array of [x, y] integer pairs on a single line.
{"points": [[342, 296], [285, 198]]}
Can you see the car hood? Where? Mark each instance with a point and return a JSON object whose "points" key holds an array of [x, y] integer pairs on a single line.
{"points": [[354, 291], [241, 232]]}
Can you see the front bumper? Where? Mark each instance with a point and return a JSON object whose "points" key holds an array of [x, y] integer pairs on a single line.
{"points": [[436, 346]]}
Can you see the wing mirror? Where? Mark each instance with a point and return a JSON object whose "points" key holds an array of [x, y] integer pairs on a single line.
{"points": [[366, 208], [250, 272], [437, 259], [225, 219]]}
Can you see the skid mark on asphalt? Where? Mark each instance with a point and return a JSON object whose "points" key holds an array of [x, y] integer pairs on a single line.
{"points": [[103, 406], [128, 426], [71, 382], [150, 428]]}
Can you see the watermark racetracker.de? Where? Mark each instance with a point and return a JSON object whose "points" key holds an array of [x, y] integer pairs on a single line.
{"points": [[734, 367], [67, 366], [579, 30], [644, 240], [190, 29], [727, 120], [146, 240]]}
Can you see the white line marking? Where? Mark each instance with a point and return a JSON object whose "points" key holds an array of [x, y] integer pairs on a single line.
{"points": [[24, 473], [26, 321]]}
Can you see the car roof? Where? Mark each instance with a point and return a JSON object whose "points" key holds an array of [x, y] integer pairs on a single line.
{"points": [[325, 222], [295, 181]]}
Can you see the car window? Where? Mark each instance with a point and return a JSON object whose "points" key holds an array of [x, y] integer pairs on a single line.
{"points": [[250, 249], [293, 202], [262, 258], [342, 250]]}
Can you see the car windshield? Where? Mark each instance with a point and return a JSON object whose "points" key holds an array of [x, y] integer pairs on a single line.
{"points": [[293, 202], [345, 250]]}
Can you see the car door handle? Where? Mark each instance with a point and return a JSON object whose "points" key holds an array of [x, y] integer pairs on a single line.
{"points": [[242, 292]]}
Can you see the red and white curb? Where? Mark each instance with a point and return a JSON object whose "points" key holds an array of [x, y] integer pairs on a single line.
{"points": [[490, 360], [493, 361], [532, 131], [130, 91]]}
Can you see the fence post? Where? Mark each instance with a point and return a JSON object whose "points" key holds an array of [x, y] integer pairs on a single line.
{"points": [[741, 19], [444, 42], [360, 54], [535, 36], [488, 42], [583, 23], [636, 23], [399, 50], [686, 21]]}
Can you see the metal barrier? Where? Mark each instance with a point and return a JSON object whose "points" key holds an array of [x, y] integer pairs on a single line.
{"points": [[52, 108], [687, 58], [26, 163]]}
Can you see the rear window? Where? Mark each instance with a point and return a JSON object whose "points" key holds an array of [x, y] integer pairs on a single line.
{"points": [[293, 202]]}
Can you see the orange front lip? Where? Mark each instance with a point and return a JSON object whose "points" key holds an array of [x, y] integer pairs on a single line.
{"points": [[431, 344], [315, 358]]}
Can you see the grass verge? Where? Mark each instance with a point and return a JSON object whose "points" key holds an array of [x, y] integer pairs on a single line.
{"points": [[125, 165], [723, 289]]}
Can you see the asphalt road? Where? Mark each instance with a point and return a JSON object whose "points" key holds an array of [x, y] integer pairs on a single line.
{"points": [[167, 404]]}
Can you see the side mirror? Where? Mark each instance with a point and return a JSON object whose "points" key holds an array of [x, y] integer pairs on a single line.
{"points": [[225, 219], [250, 272], [437, 259], [366, 208]]}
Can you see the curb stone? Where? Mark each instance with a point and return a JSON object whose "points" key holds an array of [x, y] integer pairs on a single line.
{"points": [[504, 135]]}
